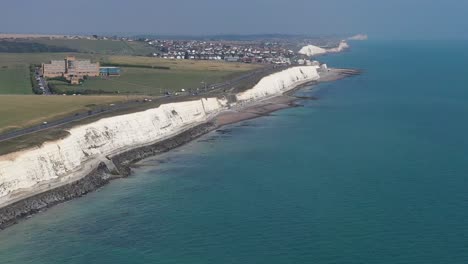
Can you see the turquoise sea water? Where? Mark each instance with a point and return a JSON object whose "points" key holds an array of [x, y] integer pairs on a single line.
{"points": [[375, 171]]}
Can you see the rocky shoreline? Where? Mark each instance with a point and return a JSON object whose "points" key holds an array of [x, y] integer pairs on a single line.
{"points": [[119, 166], [99, 177], [11, 214]]}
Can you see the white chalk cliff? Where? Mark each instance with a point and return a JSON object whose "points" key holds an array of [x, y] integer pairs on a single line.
{"points": [[311, 50], [32, 171], [359, 37], [342, 46], [280, 82]]}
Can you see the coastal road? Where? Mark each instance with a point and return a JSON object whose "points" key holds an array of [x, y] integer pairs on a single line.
{"points": [[210, 88]]}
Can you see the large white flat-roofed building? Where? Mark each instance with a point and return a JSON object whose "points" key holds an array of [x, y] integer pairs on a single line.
{"points": [[72, 69]]}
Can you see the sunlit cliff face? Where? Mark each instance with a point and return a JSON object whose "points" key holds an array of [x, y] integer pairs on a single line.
{"points": [[66, 160]]}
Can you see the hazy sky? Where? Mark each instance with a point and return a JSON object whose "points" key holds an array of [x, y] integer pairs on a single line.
{"points": [[406, 19]]}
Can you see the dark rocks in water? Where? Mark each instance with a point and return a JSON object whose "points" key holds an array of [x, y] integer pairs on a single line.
{"points": [[224, 131], [124, 160], [210, 139], [307, 97], [11, 214], [247, 124], [99, 177], [296, 105]]}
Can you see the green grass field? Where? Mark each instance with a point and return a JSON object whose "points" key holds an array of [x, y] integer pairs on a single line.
{"points": [[14, 70], [18, 111], [12, 59], [200, 65], [100, 46], [149, 81], [15, 80], [183, 74], [19, 108]]}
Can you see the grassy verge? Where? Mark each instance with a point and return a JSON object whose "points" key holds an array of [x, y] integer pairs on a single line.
{"points": [[135, 66], [145, 81], [100, 46], [22, 111], [40, 137], [30, 141], [15, 79], [140, 75]]}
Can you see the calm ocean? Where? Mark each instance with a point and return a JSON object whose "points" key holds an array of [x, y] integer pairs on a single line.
{"points": [[375, 171]]}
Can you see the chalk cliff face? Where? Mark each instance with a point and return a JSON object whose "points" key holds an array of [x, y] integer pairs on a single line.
{"points": [[342, 46], [54, 164], [280, 82], [359, 37], [59, 162], [311, 50]]}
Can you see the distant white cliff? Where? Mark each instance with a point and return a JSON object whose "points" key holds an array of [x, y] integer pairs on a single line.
{"points": [[280, 82], [311, 50], [56, 163], [341, 47], [359, 37]]}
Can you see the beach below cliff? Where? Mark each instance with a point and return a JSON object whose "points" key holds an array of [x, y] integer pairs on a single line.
{"points": [[264, 107], [119, 165]]}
